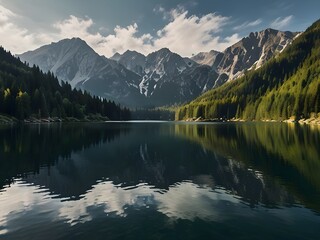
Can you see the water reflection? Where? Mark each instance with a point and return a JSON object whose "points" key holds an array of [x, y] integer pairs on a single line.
{"points": [[290, 154], [24, 149], [181, 201], [72, 175]]}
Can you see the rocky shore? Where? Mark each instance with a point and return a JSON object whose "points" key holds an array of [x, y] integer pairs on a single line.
{"points": [[310, 121], [91, 118]]}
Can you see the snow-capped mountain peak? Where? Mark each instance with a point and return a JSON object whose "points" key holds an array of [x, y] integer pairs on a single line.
{"points": [[207, 58], [160, 78], [74, 61]]}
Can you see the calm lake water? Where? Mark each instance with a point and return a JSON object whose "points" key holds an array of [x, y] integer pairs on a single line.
{"points": [[160, 181]]}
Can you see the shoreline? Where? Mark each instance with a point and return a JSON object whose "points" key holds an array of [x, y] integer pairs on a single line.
{"points": [[9, 120], [308, 121]]}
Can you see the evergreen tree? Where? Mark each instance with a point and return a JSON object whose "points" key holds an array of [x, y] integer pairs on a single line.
{"points": [[285, 86], [26, 92]]}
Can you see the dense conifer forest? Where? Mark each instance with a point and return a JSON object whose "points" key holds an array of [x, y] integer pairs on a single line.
{"points": [[288, 86], [26, 92]]}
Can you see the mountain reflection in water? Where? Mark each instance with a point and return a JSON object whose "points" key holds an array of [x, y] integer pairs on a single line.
{"points": [[77, 177]]}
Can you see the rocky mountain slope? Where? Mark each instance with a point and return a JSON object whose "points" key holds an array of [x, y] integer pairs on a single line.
{"points": [[208, 58], [73, 61], [250, 52], [160, 78], [253, 51], [166, 77], [286, 87], [132, 60]]}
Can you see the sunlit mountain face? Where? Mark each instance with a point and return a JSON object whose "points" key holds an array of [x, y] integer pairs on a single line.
{"points": [[161, 78]]}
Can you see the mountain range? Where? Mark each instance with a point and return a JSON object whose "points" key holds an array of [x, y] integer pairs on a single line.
{"points": [[28, 94], [285, 87], [160, 78], [73, 61], [249, 53]]}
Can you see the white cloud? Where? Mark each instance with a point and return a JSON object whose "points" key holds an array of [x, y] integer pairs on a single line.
{"points": [[183, 34], [281, 23], [176, 35], [248, 25], [124, 39], [77, 27], [168, 15], [74, 26], [5, 15], [187, 35], [15, 38], [159, 9]]}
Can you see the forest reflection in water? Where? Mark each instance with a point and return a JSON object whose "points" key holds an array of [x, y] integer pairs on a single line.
{"points": [[82, 173], [289, 153]]}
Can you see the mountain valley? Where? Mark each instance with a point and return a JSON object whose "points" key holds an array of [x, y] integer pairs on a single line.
{"points": [[161, 78]]}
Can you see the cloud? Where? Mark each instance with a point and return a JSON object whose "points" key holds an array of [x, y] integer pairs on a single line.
{"points": [[74, 25], [5, 15], [248, 25], [121, 40], [162, 11], [77, 27], [187, 35], [281, 23], [169, 14], [175, 35], [16, 38], [159, 9], [124, 39], [184, 34]]}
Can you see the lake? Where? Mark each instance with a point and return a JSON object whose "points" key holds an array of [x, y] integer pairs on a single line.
{"points": [[160, 180]]}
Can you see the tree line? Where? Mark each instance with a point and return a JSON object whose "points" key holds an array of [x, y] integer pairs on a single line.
{"points": [[28, 92], [287, 86]]}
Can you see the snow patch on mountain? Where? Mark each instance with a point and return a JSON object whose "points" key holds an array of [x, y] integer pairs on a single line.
{"points": [[73, 61], [161, 77]]}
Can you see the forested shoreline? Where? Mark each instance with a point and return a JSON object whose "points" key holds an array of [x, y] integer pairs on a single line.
{"points": [[287, 87], [26, 93]]}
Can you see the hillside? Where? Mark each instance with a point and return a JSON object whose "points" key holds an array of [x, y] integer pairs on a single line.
{"points": [[161, 78], [166, 78], [251, 52], [75, 62], [208, 58], [287, 86], [29, 93]]}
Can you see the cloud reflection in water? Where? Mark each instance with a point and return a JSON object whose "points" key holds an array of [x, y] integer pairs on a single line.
{"points": [[184, 200]]}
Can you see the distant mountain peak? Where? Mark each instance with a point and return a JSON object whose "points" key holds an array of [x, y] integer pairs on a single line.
{"points": [[271, 91], [74, 40], [77, 39], [207, 58], [253, 51], [116, 56], [162, 77], [214, 51], [74, 61], [163, 51], [132, 52], [270, 30]]}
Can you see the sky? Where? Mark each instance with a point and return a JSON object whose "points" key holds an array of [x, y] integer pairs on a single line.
{"points": [[110, 26]]}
